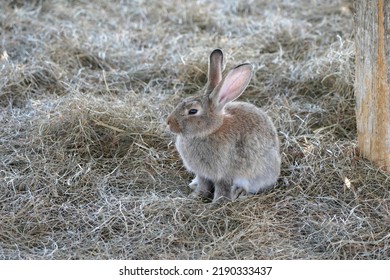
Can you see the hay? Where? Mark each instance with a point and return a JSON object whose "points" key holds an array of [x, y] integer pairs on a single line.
{"points": [[88, 170]]}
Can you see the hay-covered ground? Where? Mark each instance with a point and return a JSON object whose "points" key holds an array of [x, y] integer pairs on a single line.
{"points": [[89, 171]]}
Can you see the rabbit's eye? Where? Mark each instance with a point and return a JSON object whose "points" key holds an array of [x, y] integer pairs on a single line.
{"points": [[192, 112]]}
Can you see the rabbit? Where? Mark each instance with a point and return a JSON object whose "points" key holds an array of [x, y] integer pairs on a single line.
{"points": [[232, 147]]}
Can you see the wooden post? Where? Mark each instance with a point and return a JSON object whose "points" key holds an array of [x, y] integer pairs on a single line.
{"points": [[372, 76]]}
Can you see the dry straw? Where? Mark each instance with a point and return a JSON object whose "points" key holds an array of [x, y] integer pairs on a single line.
{"points": [[88, 170]]}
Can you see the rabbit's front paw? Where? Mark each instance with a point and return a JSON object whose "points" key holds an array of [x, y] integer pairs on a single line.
{"points": [[238, 192], [194, 183]]}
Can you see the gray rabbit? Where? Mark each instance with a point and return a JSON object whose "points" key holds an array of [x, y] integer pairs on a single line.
{"points": [[231, 146]]}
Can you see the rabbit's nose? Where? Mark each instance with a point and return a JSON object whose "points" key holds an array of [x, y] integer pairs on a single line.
{"points": [[168, 120], [173, 125]]}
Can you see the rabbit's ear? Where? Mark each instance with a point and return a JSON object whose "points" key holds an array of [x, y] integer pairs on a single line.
{"points": [[232, 86], [215, 69]]}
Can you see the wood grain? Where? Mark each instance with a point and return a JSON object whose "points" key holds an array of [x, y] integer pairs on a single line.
{"points": [[372, 80]]}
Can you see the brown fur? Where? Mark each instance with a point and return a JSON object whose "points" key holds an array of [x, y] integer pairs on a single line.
{"points": [[232, 147]]}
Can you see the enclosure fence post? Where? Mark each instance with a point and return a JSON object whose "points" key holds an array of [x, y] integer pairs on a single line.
{"points": [[372, 76]]}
